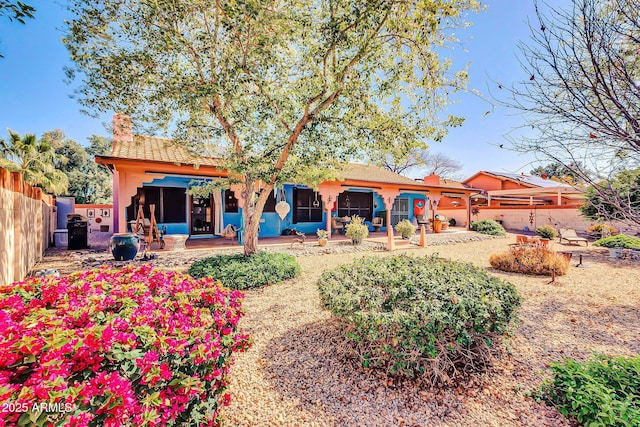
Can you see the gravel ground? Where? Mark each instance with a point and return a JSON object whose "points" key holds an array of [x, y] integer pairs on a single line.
{"points": [[299, 371]]}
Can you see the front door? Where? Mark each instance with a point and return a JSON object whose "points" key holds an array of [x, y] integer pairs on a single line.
{"points": [[400, 210], [201, 215]]}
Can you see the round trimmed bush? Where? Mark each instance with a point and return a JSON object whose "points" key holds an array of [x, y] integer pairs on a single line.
{"points": [[117, 348], [420, 317], [488, 226], [243, 272], [547, 232]]}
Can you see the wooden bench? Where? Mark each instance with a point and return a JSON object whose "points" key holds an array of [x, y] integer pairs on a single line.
{"points": [[569, 234]]}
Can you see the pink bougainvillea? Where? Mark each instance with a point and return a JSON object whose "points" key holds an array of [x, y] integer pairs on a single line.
{"points": [[117, 347]]}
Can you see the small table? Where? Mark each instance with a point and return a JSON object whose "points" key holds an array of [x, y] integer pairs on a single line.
{"points": [[175, 242]]}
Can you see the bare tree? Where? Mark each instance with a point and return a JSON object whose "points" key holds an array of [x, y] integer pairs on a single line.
{"points": [[581, 97], [425, 161]]}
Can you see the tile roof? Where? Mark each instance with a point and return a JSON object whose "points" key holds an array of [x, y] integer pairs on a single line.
{"points": [[530, 180], [371, 173], [155, 149]]}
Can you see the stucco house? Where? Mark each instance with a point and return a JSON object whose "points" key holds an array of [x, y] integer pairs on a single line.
{"points": [[149, 170]]}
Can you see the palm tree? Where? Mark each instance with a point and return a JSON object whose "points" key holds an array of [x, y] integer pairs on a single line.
{"points": [[35, 160]]}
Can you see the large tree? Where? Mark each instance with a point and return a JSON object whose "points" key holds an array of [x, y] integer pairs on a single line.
{"points": [[35, 159], [559, 172], [88, 181], [422, 160], [278, 87], [581, 96]]}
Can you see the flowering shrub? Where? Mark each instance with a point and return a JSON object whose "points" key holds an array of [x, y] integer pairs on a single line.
{"points": [[420, 317], [530, 260], [117, 347]]}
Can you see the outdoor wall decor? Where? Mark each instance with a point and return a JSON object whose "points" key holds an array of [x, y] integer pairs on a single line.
{"points": [[91, 213], [105, 213]]}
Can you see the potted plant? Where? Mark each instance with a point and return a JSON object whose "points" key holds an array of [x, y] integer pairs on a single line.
{"points": [[617, 244], [405, 228], [322, 236], [546, 233], [437, 224], [357, 230]]}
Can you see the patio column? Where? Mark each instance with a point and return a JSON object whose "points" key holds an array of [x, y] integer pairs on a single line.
{"points": [[116, 203], [329, 192], [467, 201], [388, 197], [435, 201]]}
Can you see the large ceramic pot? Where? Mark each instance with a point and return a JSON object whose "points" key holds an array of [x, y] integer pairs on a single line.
{"points": [[124, 246], [437, 225]]}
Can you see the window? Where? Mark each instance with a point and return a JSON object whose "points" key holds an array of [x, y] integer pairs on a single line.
{"points": [[230, 202], [270, 206], [354, 203], [307, 206], [170, 204], [173, 205]]}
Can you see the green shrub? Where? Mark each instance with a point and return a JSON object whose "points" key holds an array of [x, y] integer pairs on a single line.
{"points": [[619, 241], [419, 317], [547, 232], [488, 226], [241, 272], [530, 260], [602, 230], [600, 392], [357, 230], [405, 228]]}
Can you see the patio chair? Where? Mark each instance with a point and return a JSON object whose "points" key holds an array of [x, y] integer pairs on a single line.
{"points": [[337, 225], [569, 234], [377, 223], [422, 220]]}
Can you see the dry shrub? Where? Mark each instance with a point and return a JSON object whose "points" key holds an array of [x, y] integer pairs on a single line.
{"points": [[530, 260]]}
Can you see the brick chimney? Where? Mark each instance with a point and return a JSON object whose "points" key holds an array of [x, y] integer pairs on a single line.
{"points": [[432, 179], [122, 128]]}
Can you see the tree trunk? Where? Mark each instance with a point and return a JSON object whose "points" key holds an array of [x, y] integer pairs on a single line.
{"points": [[251, 213]]}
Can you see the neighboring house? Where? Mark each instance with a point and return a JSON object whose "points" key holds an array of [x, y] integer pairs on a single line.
{"points": [[149, 170], [507, 189]]}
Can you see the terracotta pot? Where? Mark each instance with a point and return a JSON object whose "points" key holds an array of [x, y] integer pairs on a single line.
{"points": [[322, 242], [437, 226]]}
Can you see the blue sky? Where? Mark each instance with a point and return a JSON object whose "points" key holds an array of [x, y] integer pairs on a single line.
{"points": [[34, 97]]}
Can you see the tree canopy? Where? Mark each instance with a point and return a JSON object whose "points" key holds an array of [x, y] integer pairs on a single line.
{"points": [[88, 181], [275, 88], [15, 11], [36, 161], [581, 97]]}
